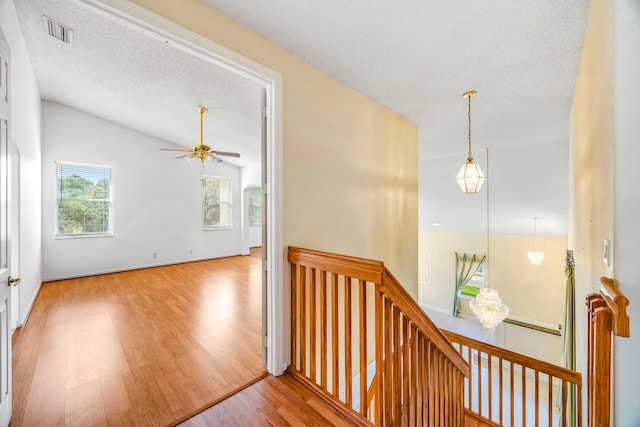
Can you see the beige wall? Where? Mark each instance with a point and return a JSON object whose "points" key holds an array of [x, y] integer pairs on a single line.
{"points": [[592, 163], [509, 271], [350, 166], [605, 130]]}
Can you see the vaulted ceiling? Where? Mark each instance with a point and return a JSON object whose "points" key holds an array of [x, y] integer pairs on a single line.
{"points": [[415, 57]]}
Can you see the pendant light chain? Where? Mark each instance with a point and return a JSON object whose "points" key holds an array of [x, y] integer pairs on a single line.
{"points": [[469, 116], [487, 188]]}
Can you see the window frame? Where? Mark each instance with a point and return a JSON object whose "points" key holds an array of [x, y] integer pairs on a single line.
{"points": [[229, 203], [56, 231], [255, 189]]}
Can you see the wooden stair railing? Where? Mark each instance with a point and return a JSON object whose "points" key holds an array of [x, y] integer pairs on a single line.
{"points": [[606, 316], [350, 317], [509, 388]]}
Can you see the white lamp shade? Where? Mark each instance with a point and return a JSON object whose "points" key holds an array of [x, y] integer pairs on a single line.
{"points": [[470, 178]]}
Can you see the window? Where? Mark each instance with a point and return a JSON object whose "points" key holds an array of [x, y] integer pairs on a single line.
{"points": [[216, 202], [255, 206], [84, 200]]}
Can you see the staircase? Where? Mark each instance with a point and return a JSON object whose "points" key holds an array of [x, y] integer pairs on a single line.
{"points": [[364, 345]]}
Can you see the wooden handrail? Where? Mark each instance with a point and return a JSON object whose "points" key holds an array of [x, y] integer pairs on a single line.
{"points": [[509, 380], [357, 268], [520, 359], [617, 303], [410, 307], [335, 301]]}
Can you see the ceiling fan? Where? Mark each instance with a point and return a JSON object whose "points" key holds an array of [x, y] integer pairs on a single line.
{"points": [[202, 151]]}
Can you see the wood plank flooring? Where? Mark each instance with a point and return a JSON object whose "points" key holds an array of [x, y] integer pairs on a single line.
{"points": [[138, 348], [273, 401]]}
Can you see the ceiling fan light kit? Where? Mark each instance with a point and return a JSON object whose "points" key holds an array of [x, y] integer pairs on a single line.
{"points": [[201, 150], [470, 177]]}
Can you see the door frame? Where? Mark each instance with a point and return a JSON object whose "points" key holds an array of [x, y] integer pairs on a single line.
{"points": [[142, 20]]}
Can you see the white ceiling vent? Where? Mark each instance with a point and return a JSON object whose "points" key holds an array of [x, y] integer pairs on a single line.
{"points": [[59, 31]]}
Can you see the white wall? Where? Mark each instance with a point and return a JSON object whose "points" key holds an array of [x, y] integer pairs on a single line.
{"points": [[25, 131], [156, 199], [627, 204]]}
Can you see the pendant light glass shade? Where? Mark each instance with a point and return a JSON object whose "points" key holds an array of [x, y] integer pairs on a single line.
{"points": [[488, 308], [535, 257], [470, 178]]}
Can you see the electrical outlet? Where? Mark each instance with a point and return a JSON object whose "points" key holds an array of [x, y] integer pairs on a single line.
{"points": [[155, 255], [190, 251]]}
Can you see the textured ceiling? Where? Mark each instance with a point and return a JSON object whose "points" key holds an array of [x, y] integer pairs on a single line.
{"points": [[415, 57], [124, 76]]}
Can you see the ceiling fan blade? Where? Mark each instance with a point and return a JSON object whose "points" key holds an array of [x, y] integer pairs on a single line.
{"points": [[174, 149], [224, 153], [215, 159], [181, 157]]}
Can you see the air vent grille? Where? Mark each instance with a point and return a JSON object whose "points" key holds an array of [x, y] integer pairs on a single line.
{"points": [[59, 31]]}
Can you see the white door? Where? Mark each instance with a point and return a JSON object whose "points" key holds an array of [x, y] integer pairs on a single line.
{"points": [[14, 232], [5, 294]]}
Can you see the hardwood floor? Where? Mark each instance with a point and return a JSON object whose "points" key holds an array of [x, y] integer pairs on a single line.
{"points": [[273, 401], [138, 348]]}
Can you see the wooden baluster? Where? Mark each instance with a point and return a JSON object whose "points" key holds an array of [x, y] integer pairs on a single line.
{"points": [[388, 364], [363, 347], [537, 398], [511, 384], [312, 325], [469, 380], [489, 386], [501, 394], [405, 407], [433, 385], [303, 320], [295, 283], [396, 365], [323, 329], [479, 354], [579, 399], [549, 399], [524, 396], [379, 356], [335, 344], [348, 355], [413, 420]]}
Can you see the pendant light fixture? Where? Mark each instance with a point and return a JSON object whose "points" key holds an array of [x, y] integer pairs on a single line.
{"points": [[488, 306], [470, 178], [535, 256]]}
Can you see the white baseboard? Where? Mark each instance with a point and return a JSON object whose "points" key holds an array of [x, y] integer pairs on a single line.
{"points": [[131, 268], [27, 312]]}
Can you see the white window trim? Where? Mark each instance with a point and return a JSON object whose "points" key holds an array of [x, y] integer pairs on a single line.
{"points": [[231, 207], [56, 235]]}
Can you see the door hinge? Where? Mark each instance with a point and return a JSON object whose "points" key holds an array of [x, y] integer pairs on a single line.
{"points": [[266, 342]]}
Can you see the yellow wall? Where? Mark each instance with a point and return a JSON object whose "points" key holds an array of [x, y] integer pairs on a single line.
{"points": [[592, 163], [350, 172], [533, 292]]}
